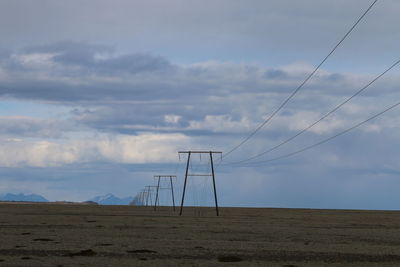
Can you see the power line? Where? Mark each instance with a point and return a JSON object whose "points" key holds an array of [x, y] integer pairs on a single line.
{"points": [[322, 118], [327, 139], [302, 84]]}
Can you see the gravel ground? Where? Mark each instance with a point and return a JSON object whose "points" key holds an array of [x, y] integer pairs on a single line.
{"points": [[91, 235]]}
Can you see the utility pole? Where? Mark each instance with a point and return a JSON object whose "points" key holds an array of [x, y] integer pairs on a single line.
{"points": [[171, 187], [212, 174], [142, 198], [147, 189]]}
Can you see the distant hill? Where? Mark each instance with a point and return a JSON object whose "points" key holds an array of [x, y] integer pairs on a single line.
{"points": [[22, 197], [89, 202], [110, 199]]}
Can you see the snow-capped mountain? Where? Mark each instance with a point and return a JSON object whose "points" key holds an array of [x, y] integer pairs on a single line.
{"points": [[110, 199], [22, 197]]}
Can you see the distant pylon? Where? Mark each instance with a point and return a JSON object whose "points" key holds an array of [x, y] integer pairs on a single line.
{"points": [[171, 187], [212, 174], [142, 198], [148, 194], [136, 200]]}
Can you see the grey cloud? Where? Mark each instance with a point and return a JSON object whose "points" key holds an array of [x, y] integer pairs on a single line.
{"points": [[282, 31], [70, 52], [19, 127], [131, 118], [134, 63], [128, 93], [334, 77], [275, 74], [81, 54], [5, 53], [114, 118], [147, 77]]}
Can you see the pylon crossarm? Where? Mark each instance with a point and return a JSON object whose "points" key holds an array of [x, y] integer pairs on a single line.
{"points": [[199, 152], [199, 175]]}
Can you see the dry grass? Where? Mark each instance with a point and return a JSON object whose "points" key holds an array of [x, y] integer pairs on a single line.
{"points": [[86, 235]]}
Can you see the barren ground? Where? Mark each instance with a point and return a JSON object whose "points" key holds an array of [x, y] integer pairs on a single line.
{"points": [[89, 235]]}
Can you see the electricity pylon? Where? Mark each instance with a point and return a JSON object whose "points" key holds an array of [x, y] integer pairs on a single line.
{"points": [[171, 187], [148, 194], [212, 174]]}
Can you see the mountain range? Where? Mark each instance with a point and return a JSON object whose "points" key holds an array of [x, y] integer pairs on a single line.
{"points": [[110, 199], [22, 197]]}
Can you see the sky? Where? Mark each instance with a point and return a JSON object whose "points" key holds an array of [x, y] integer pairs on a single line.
{"points": [[96, 97]]}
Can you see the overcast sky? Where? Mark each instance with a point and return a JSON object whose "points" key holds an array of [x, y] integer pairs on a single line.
{"points": [[98, 96]]}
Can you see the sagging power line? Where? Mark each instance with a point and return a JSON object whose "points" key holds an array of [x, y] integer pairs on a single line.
{"points": [[302, 84], [325, 140], [320, 119]]}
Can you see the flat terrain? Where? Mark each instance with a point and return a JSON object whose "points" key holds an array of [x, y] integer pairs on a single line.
{"points": [[89, 235]]}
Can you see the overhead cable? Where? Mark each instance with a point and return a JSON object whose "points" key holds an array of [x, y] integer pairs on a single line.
{"points": [[325, 140], [322, 118], [301, 85]]}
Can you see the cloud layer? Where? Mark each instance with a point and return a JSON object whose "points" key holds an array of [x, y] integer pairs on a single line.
{"points": [[143, 148], [129, 94]]}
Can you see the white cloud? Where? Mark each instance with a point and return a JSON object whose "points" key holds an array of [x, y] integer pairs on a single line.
{"points": [[172, 118], [302, 119], [143, 148], [221, 123], [34, 60]]}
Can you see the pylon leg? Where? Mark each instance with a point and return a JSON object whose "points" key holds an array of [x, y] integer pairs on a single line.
{"points": [[172, 193], [184, 185], [213, 177], [158, 186]]}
